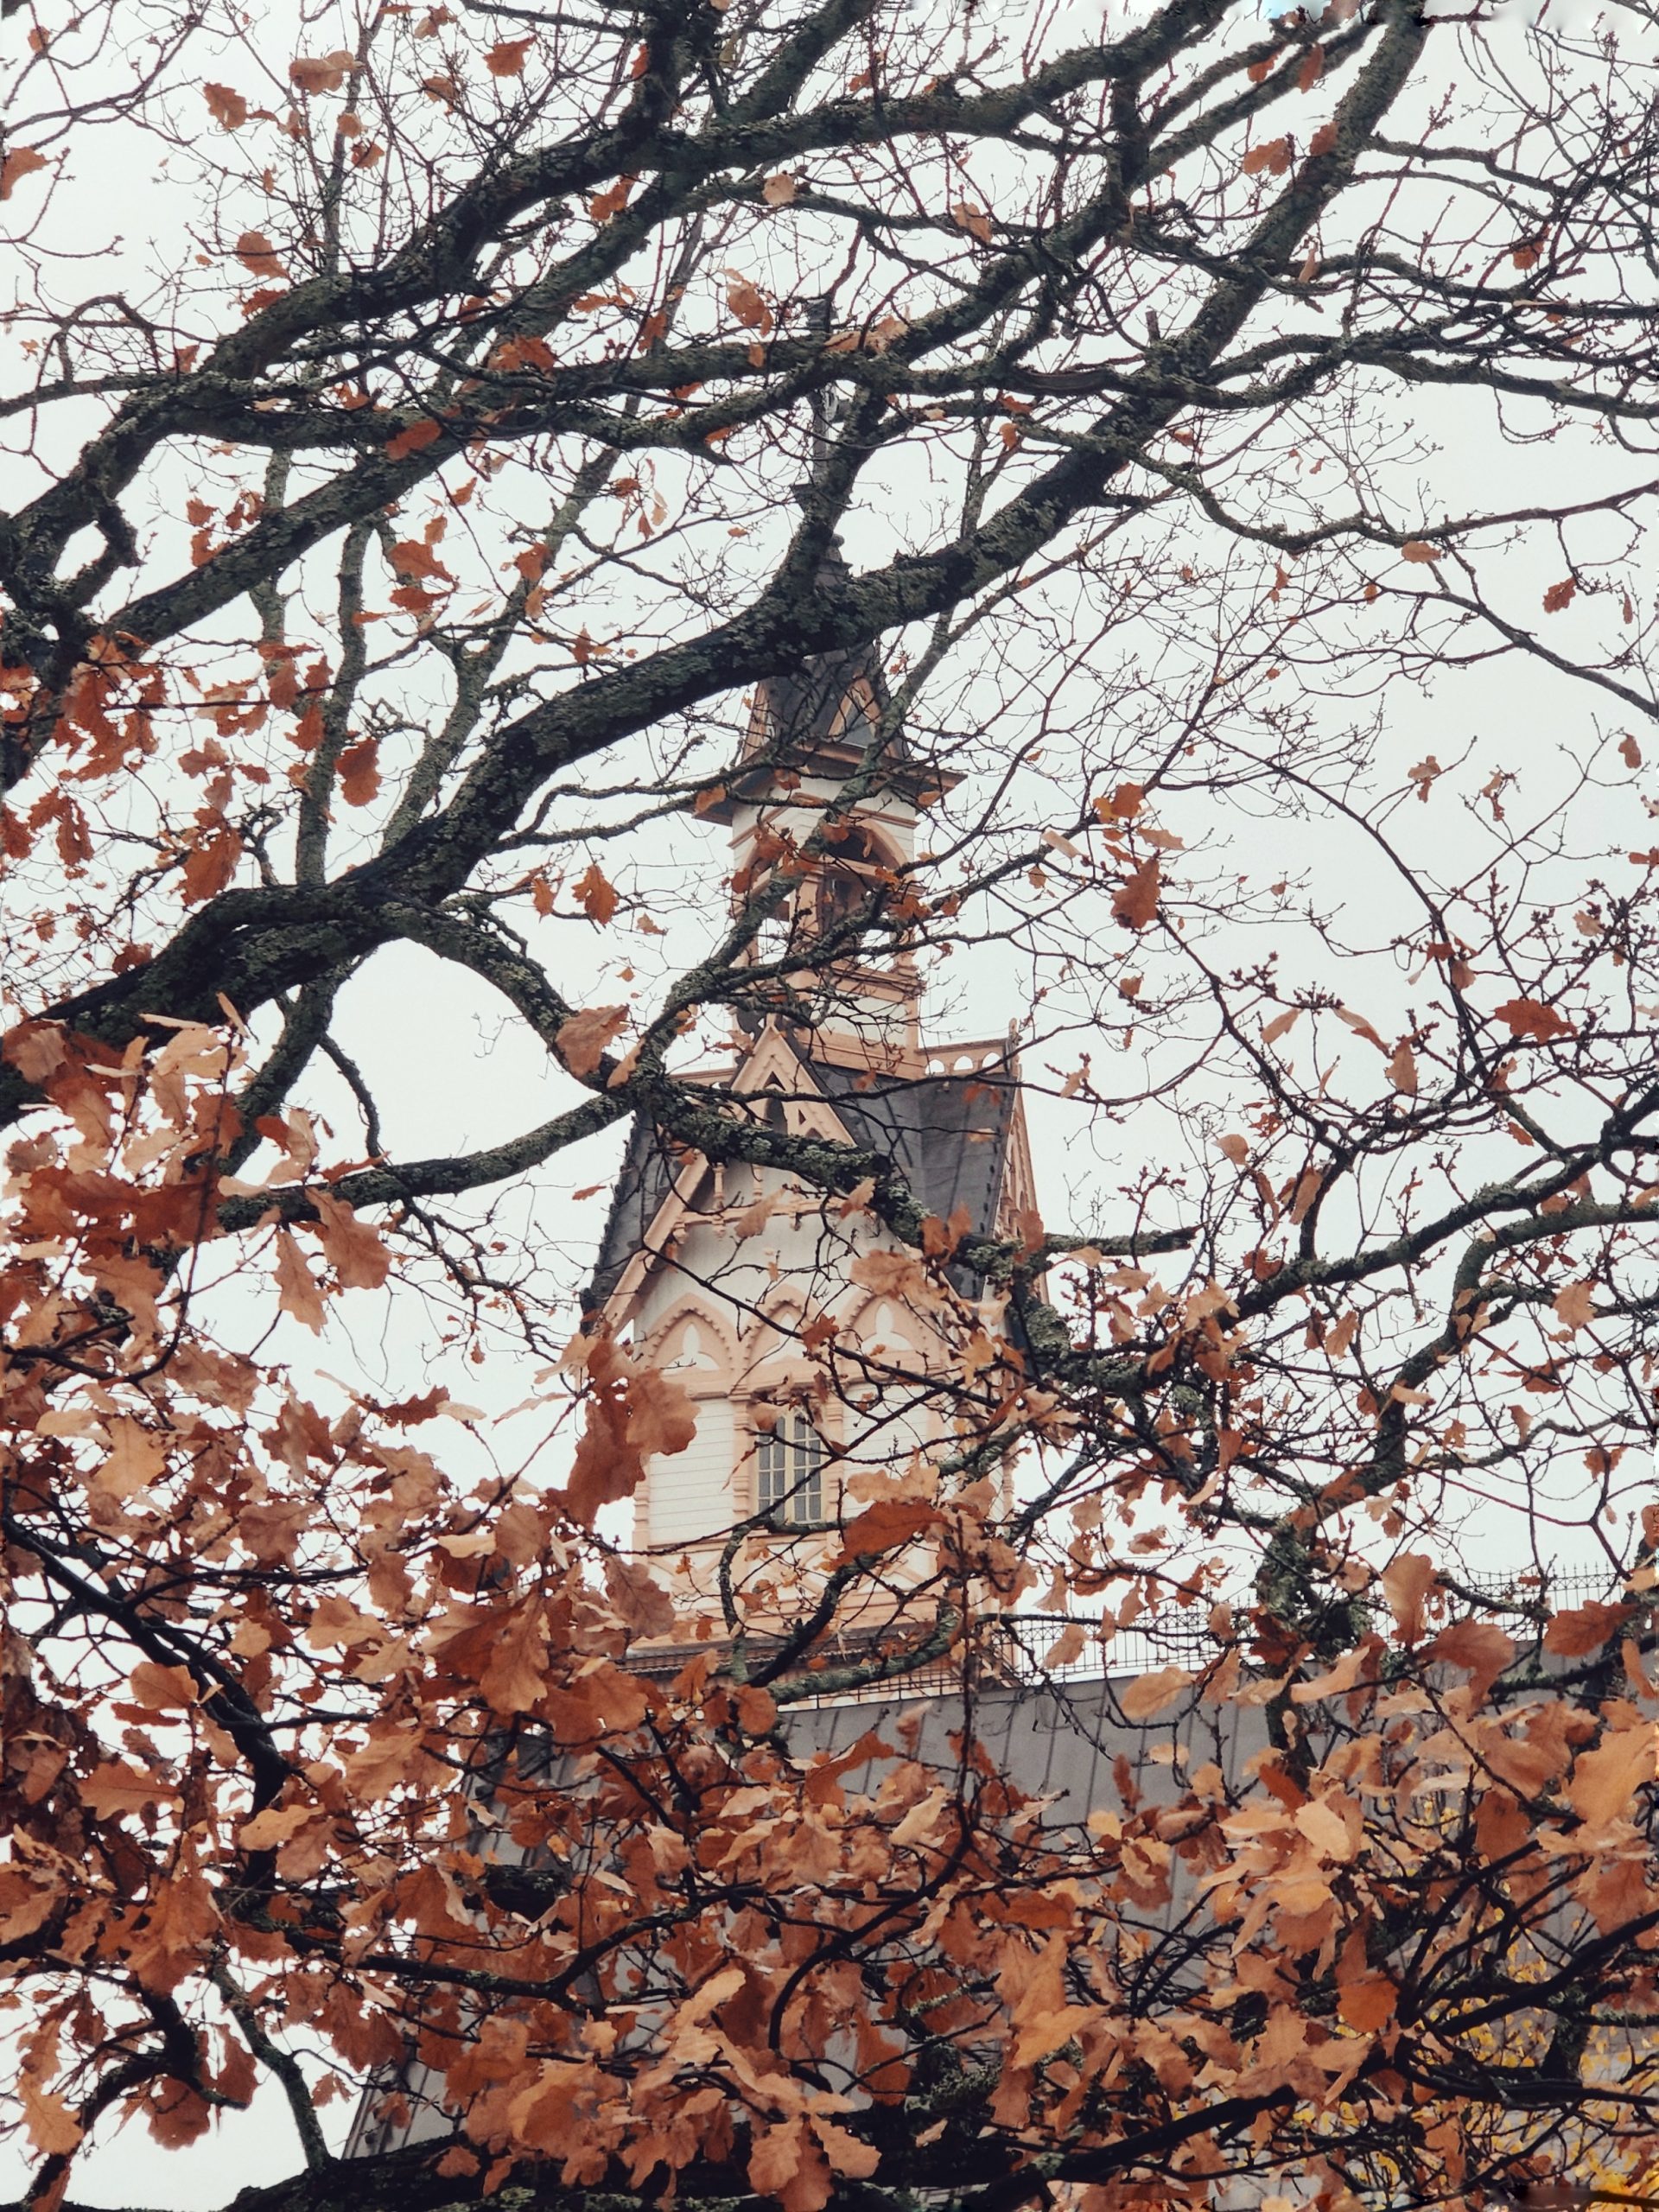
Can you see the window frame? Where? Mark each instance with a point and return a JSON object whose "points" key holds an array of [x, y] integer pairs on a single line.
{"points": [[799, 1487]]}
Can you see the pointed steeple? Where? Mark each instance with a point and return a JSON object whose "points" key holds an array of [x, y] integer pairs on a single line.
{"points": [[819, 718]]}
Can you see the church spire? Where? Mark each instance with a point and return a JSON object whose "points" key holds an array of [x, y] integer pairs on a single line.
{"points": [[814, 731]]}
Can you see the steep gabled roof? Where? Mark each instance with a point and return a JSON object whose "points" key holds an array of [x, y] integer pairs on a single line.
{"points": [[948, 1134]]}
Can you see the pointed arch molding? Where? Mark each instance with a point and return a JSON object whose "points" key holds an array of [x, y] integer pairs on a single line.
{"points": [[772, 1063], [713, 1368]]}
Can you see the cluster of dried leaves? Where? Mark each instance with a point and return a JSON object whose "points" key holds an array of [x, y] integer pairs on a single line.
{"points": [[408, 511]]}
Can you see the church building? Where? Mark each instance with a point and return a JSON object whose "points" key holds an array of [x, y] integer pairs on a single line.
{"points": [[784, 1315]]}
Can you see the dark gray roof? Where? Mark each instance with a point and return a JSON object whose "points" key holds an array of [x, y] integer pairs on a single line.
{"points": [[947, 1135], [804, 704], [1067, 1744], [1058, 1742], [642, 1181]]}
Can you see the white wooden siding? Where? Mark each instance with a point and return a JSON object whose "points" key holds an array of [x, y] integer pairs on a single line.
{"points": [[691, 1493]]}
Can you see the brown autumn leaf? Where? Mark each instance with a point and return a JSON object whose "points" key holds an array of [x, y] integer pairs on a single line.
{"points": [[296, 1287], [324, 73], [119, 1787], [359, 768], [514, 1677], [638, 1596], [884, 1525], [1272, 156], [604, 205], [52, 2125], [352, 1248], [1366, 1999], [19, 162], [230, 109], [1560, 595], [1577, 1631], [1419, 551], [180, 1922], [754, 1217], [137, 1457], [1136, 900], [1123, 805], [894, 1274], [415, 439], [506, 57], [1151, 1693], [785, 2163], [661, 1418], [1602, 1786], [162, 1689], [583, 1037], [1575, 1304], [1406, 1582], [1402, 1069], [1323, 1826], [1531, 1018], [209, 865], [1360, 1026], [595, 894], [748, 304], [1480, 1649]]}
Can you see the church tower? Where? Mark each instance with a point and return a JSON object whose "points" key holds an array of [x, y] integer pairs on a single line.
{"points": [[795, 1324]]}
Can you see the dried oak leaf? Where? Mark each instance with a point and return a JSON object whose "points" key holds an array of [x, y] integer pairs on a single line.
{"points": [[1405, 1583], [359, 772], [1580, 1629], [643, 1602], [1605, 1780], [1479, 1648], [1152, 1693], [53, 2128], [323, 73], [415, 439], [595, 894], [1531, 1018], [296, 1287], [209, 866], [352, 1249], [1575, 1304], [1273, 156], [582, 1039], [20, 161], [880, 1527], [229, 108], [1134, 902]]}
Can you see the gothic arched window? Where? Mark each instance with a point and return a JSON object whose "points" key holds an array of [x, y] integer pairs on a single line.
{"points": [[789, 1471]]}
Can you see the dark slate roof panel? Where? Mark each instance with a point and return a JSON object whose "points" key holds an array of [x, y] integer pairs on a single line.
{"points": [[947, 1135], [803, 707], [642, 1181]]}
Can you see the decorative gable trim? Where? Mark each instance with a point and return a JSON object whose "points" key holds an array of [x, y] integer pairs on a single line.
{"points": [[771, 1064]]}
